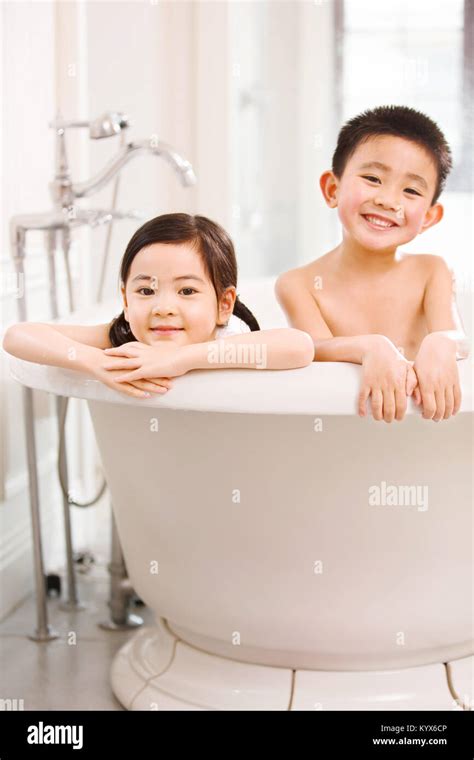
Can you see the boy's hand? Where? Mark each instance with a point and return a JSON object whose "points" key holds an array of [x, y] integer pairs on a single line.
{"points": [[388, 378], [438, 377]]}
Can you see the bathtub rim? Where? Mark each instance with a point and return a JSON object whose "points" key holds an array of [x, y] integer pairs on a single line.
{"points": [[325, 388]]}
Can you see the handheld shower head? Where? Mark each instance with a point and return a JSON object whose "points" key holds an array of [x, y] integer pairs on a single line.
{"points": [[108, 124]]}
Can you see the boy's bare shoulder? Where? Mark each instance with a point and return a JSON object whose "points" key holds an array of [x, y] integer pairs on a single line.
{"points": [[293, 288], [288, 279], [423, 259], [428, 265], [300, 285], [290, 274], [306, 272]]}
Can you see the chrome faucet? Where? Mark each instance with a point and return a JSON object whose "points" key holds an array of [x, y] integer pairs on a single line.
{"points": [[66, 215], [65, 192]]}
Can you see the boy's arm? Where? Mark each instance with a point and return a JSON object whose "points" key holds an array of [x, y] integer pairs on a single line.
{"points": [[303, 312], [442, 317], [435, 365]]}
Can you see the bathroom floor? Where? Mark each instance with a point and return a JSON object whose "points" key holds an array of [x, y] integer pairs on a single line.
{"points": [[60, 674]]}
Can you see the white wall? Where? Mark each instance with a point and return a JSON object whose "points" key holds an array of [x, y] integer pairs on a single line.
{"points": [[283, 127]]}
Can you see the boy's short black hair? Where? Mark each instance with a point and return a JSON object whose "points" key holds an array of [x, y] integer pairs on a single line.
{"points": [[399, 121]]}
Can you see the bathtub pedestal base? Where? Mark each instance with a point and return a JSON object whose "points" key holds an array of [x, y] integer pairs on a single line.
{"points": [[157, 671]]}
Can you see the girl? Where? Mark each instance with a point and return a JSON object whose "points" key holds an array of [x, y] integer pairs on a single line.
{"points": [[178, 284]]}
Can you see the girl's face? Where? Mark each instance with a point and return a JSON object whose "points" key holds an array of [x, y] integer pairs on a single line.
{"points": [[169, 297]]}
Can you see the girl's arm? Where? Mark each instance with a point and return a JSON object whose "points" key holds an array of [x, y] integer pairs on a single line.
{"points": [[68, 346], [78, 347], [282, 348]]}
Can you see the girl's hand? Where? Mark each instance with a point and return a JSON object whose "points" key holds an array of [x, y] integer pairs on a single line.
{"points": [[143, 362], [438, 377], [388, 378], [136, 389]]}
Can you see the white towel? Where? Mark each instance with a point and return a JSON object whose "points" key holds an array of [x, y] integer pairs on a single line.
{"points": [[236, 326]]}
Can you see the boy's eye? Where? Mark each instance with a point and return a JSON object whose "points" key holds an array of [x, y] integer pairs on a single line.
{"points": [[371, 178], [191, 290], [412, 191], [149, 290]]}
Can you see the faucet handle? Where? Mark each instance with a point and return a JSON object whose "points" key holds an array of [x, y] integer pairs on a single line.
{"points": [[96, 216], [60, 123], [107, 124]]}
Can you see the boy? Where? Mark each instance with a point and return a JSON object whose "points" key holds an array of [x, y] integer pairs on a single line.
{"points": [[367, 302]]}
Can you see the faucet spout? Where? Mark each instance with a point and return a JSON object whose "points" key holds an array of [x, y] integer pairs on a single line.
{"points": [[125, 154]]}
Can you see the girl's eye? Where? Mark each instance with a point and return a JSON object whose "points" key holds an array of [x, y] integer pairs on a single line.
{"points": [[412, 191], [186, 291], [371, 178]]}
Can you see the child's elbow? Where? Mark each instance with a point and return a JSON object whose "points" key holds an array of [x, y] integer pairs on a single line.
{"points": [[464, 348], [8, 343], [304, 347]]}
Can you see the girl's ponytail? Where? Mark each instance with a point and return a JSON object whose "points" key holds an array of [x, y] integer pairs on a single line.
{"points": [[119, 331], [241, 311]]}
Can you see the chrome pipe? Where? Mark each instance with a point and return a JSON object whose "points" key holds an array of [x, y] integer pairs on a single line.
{"points": [[124, 155], [121, 619], [72, 602], [43, 631]]}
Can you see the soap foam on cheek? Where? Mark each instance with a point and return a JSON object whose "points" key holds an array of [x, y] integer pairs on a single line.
{"points": [[400, 213]]}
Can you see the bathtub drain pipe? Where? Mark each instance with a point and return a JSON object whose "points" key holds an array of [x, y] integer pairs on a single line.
{"points": [[121, 590]]}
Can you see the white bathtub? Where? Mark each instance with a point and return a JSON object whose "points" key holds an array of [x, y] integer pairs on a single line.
{"points": [[243, 504]]}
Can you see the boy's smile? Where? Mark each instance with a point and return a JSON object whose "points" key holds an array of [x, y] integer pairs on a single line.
{"points": [[385, 192], [379, 222]]}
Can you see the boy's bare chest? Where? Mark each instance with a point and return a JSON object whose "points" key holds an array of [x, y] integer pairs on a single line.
{"points": [[353, 309], [394, 309]]}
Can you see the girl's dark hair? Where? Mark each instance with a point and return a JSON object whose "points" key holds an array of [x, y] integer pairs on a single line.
{"points": [[400, 121], [214, 246]]}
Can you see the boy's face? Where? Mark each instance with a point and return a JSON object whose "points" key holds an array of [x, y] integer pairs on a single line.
{"points": [[385, 192]]}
